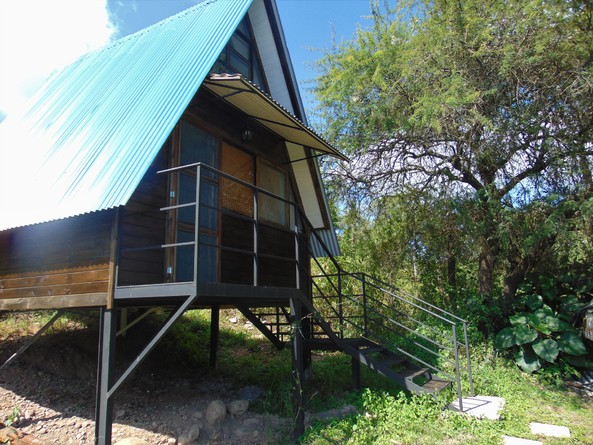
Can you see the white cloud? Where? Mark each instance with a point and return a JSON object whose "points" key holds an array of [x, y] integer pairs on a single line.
{"points": [[38, 37]]}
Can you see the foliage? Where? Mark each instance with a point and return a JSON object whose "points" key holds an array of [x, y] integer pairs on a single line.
{"points": [[540, 336], [485, 103], [388, 418]]}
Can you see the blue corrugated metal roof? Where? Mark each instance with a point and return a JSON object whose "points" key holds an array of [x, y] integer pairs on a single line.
{"points": [[90, 133]]}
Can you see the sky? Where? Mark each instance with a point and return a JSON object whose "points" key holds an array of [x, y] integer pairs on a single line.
{"points": [[38, 37]]}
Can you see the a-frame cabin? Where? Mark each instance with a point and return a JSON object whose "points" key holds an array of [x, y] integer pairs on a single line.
{"points": [[174, 168]]}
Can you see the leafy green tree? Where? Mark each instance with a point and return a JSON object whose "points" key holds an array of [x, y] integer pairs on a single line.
{"points": [[492, 99]]}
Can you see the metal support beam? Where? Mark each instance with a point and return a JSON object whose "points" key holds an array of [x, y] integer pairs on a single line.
{"points": [[249, 315], [105, 391], [33, 339], [214, 335], [356, 374], [106, 362], [297, 370]]}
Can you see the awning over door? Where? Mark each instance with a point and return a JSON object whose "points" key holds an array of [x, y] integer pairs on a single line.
{"points": [[249, 99]]}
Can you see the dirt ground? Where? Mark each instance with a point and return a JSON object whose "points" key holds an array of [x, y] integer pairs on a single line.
{"points": [[50, 392]]}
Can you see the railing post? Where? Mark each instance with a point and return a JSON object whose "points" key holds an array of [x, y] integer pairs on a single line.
{"points": [[340, 304], [364, 305], [297, 258], [457, 375], [255, 237], [197, 225], [467, 354]]}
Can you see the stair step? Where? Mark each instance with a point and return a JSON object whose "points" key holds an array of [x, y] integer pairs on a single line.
{"points": [[436, 385], [412, 373], [359, 342], [392, 360], [371, 349]]}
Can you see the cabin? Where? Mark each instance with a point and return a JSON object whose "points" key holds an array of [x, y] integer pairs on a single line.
{"points": [[175, 168]]}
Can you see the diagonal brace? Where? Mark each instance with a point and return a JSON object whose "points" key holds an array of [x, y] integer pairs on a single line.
{"points": [[150, 346], [247, 313], [33, 339]]}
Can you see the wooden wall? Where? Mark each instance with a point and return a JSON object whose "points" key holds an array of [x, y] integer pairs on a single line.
{"points": [[64, 263], [144, 225]]}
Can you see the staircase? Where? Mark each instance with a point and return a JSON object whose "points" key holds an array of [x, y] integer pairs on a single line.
{"points": [[417, 345]]}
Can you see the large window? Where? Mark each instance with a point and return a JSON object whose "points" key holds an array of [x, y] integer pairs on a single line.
{"points": [[240, 56], [275, 181]]}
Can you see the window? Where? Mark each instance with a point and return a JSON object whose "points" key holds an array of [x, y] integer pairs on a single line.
{"points": [[239, 164], [240, 56], [275, 181]]}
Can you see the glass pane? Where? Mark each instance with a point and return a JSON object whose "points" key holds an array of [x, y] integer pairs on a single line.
{"points": [[208, 260], [240, 45], [209, 205], [239, 64], [197, 146], [273, 180], [244, 28], [239, 164], [184, 258]]}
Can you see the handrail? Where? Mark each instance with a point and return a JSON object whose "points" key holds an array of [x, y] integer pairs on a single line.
{"points": [[365, 324]]}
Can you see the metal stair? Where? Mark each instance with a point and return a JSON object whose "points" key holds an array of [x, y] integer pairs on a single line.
{"points": [[416, 344]]}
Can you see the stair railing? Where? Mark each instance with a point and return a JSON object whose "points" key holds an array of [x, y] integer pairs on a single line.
{"points": [[365, 306]]}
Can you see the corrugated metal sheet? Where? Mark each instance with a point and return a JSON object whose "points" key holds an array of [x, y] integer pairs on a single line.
{"points": [[90, 133]]}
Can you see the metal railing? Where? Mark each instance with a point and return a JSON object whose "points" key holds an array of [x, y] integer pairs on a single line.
{"points": [[359, 305], [200, 210]]}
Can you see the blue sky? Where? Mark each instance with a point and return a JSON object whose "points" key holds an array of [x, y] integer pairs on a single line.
{"points": [[34, 45]]}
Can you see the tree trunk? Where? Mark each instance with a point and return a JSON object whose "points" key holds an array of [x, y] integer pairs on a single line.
{"points": [[487, 261]]}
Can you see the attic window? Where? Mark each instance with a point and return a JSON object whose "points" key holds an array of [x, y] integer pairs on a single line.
{"points": [[240, 56]]}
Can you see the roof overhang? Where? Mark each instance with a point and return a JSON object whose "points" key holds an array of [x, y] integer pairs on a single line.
{"points": [[249, 99]]}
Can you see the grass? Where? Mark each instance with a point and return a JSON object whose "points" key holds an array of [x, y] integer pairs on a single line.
{"points": [[386, 415]]}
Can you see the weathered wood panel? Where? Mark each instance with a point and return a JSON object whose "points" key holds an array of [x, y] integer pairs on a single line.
{"points": [[56, 264]]}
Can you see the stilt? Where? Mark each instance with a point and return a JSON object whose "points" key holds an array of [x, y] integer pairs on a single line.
{"points": [[355, 374], [104, 404], [214, 335], [297, 370]]}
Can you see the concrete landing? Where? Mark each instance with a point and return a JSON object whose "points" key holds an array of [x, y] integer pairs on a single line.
{"points": [[481, 407], [508, 440], [549, 430]]}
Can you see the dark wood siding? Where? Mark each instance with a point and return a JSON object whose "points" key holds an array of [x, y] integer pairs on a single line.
{"points": [[144, 225], [57, 264]]}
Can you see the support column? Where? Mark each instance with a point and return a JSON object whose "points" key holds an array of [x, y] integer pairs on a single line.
{"points": [[104, 404], [297, 370], [356, 374], [214, 335]]}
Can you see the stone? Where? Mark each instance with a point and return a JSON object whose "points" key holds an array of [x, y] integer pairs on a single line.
{"points": [[190, 436], [481, 407], [348, 410], [216, 412], [233, 320], [249, 428], [508, 440], [132, 441], [549, 430], [238, 407]]}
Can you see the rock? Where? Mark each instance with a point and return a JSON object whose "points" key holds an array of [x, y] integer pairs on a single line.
{"points": [[249, 428], [348, 410], [216, 412], [132, 441], [190, 436], [250, 393], [238, 407], [171, 441], [233, 320]]}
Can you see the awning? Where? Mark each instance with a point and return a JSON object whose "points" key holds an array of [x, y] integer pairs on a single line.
{"points": [[249, 99]]}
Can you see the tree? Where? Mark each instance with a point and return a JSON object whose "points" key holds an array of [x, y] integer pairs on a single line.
{"points": [[488, 98]]}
